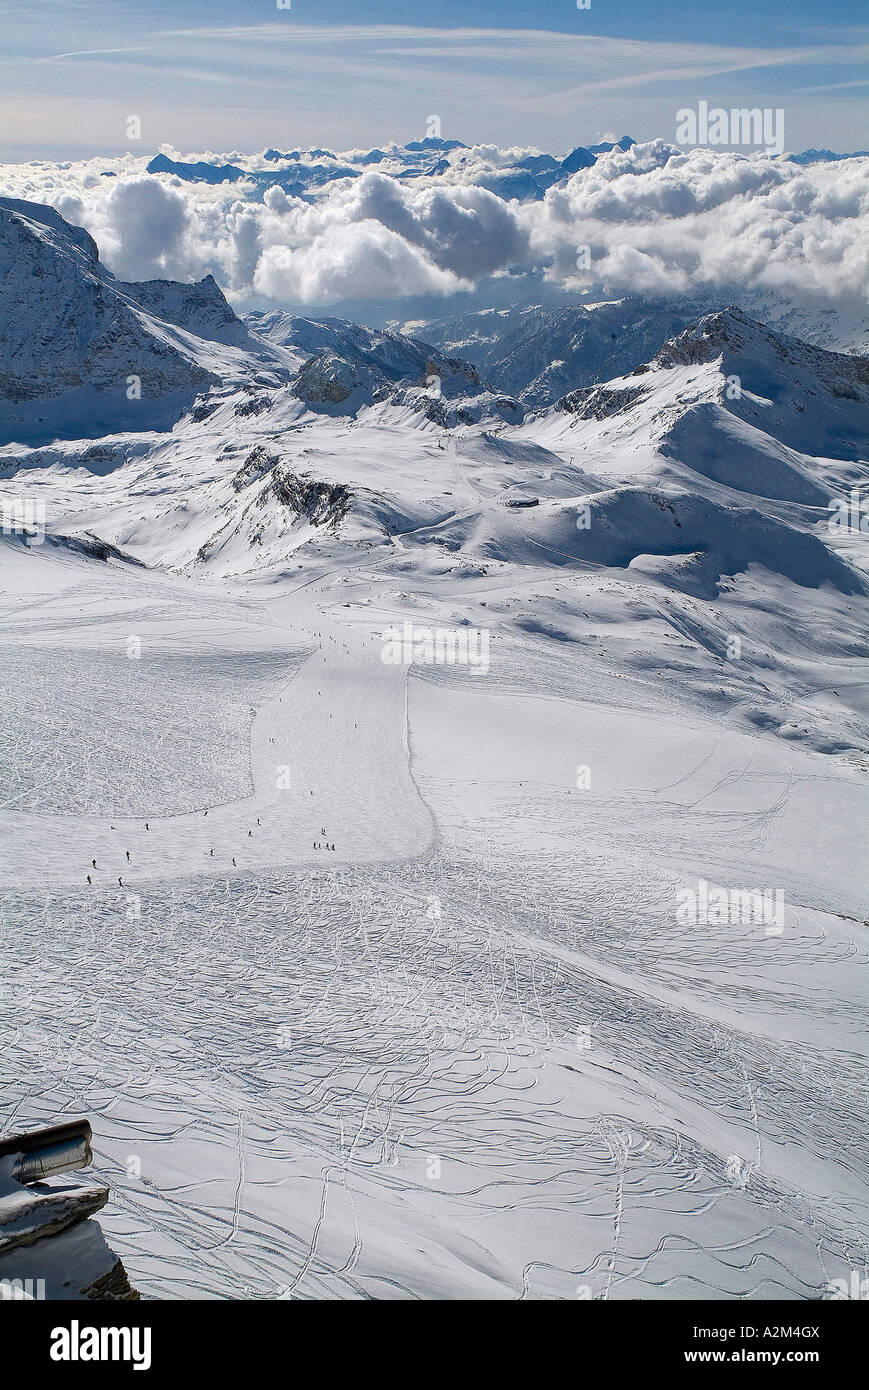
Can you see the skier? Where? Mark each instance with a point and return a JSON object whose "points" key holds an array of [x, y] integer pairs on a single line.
{"points": [[94, 864], [128, 856], [89, 880]]}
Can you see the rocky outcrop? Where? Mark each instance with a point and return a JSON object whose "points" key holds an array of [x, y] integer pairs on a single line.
{"points": [[599, 402], [258, 462], [323, 504], [329, 379]]}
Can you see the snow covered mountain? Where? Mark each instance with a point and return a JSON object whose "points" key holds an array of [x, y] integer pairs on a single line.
{"points": [[742, 407], [346, 365], [83, 352], [809, 400], [725, 410], [539, 353], [393, 357]]}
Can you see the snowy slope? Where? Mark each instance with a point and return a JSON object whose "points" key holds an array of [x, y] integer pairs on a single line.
{"points": [[375, 970], [736, 405]]}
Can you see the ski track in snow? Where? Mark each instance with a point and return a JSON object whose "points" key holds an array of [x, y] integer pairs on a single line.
{"points": [[358, 1075]]}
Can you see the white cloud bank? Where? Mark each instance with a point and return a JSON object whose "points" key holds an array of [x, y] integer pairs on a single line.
{"points": [[656, 220]]}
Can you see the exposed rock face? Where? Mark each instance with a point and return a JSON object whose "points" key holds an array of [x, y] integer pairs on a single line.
{"points": [[449, 368], [597, 403], [324, 504], [113, 1287], [258, 462], [255, 406], [391, 357], [198, 308], [330, 379], [449, 410], [447, 390], [273, 510], [29, 1214]]}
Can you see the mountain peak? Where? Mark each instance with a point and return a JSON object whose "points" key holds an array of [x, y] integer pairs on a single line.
{"points": [[83, 351], [727, 330], [580, 158], [43, 216], [607, 145], [736, 337], [434, 142], [199, 172]]}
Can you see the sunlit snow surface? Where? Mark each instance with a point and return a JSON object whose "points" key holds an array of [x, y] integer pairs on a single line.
{"points": [[472, 1051]]}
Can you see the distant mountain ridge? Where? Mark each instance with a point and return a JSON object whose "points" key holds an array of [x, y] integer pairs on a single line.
{"points": [[518, 176], [540, 352], [299, 172]]}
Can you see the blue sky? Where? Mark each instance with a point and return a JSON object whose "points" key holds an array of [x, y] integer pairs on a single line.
{"points": [[241, 74]]}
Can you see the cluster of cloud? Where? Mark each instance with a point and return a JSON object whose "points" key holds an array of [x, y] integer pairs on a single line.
{"points": [[655, 220], [374, 237], [662, 223]]}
